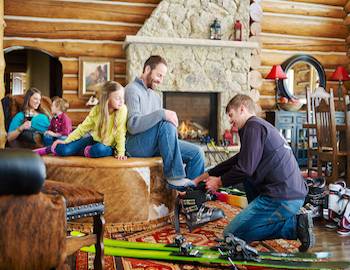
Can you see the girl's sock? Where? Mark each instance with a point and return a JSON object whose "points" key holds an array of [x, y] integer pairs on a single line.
{"points": [[87, 151]]}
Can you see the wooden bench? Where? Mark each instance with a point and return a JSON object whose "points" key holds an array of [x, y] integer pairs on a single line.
{"points": [[135, 193]]}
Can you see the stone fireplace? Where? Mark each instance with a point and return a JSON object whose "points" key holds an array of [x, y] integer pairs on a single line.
{"points": [[179, 32]]}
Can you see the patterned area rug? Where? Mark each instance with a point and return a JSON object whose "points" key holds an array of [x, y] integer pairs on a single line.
{"points": [[205, 235]]}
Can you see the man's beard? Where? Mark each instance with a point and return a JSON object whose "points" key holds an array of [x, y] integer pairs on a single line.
{"points": [[149, 82]]}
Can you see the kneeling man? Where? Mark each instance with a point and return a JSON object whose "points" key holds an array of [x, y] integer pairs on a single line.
{"points": [[270, 173]]}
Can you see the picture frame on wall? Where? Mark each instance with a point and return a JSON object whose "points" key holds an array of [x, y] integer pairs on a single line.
{"points": [[93, 72]]}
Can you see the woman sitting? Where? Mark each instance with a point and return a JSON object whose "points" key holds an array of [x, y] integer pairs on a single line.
{"points": [[28, 125]]}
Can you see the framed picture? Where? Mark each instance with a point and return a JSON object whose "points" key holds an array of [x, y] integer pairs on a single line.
{"points": [[93, 72]]}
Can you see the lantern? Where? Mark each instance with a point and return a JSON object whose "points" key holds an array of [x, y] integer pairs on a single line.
{"points": [[237, 31], [215, 30]]}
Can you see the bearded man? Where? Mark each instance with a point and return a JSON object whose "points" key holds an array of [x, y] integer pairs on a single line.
{"points": [[152, 130]]}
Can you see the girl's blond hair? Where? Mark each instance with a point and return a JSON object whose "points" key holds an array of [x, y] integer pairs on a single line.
{"points": [[106, 90]]}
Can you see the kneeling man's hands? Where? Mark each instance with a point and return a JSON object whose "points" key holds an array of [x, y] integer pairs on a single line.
{"points": [[201, 178], [213, 183]]}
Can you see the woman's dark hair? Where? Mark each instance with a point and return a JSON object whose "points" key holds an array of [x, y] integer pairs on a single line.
{"points": [[153, 61]]}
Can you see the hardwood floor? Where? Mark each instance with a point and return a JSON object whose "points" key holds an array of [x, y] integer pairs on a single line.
{"points": [[330, 240]]}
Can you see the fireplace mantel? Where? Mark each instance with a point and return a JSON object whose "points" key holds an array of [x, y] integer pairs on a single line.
{"points": [[189, 42]]}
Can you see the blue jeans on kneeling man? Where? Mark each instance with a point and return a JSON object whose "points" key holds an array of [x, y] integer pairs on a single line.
{"points": [[265, 218]]}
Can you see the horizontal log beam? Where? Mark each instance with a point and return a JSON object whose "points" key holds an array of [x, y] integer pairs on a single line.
{"points": [[78, 10], [70, 49], [71, 67], [77, 117], [286, 7], [140, 1], [69, 83], [331, 61], [282, 42], [339, 3], [292, 25], [267, 104], [67, 30], [75, 102]]}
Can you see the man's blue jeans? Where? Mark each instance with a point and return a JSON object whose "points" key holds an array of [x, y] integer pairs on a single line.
{"points": [[76, 148], [265, 218], [162, 140]]}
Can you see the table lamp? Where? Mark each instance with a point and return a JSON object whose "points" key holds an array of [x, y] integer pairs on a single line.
{"points": [[340, 75], [276, 73]]}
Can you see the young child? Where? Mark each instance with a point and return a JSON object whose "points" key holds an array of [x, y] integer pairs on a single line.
{"points": [[60, 125], [103, 131]]}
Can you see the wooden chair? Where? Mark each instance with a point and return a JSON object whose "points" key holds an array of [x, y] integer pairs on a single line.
{"points": [[311, 132], [327, 144]]}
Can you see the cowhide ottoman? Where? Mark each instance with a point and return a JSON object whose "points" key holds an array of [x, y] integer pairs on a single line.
{"points": [[135, 194]]}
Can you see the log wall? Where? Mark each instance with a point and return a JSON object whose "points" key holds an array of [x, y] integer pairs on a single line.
{"points": [[70, 29], [315, 27]]}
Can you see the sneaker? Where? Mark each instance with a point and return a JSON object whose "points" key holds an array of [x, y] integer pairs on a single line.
{"points": [[180, 184], [343, 232], [304, 231]]}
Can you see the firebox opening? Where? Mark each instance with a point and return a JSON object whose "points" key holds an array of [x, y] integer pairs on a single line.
{"points": [[197, 113]]}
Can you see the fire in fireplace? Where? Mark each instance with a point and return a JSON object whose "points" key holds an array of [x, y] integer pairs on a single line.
{"points": [[197, 113]]}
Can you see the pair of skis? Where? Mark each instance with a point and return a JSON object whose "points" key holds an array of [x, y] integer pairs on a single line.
{"points": [[185, 252]]}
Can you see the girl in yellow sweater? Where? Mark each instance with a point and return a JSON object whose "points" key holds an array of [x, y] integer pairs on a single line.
{"points": [[103, 131]]}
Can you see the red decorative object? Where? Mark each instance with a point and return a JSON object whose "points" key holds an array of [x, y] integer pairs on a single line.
{"points": [[276, 73], [228, 137], [231, 136], [340, 75], [237, 31]]}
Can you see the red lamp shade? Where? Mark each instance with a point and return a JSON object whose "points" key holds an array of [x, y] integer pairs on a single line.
{"points": [[340, 74], [276, 73]]}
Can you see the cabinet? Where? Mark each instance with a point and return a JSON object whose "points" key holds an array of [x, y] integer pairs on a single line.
{"points": [[290, 125]]}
